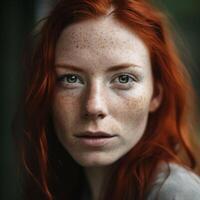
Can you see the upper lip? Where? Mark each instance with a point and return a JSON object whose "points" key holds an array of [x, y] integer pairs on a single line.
{"points": [[94, 134]]}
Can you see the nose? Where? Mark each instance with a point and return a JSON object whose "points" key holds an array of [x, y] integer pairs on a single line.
{"points": [[95, 102]]}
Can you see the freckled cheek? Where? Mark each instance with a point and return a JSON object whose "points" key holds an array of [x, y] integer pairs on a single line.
{"points": [[134, 111], [64, 111]]}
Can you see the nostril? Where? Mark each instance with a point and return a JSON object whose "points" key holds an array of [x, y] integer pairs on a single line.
{"points": [[94, 115], [101, 115]]}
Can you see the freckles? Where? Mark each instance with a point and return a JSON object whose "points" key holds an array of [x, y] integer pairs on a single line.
{"points": [[74, 39], [64, 109], [135, 113], [82, 40], [136, 106], [63, 101]]}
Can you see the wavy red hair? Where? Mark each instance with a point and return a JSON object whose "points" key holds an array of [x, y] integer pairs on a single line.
{"points": [[50, 173]]}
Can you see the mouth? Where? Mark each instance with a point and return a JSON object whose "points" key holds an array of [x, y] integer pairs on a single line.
{"points": [[95, 139], [99, 134]]}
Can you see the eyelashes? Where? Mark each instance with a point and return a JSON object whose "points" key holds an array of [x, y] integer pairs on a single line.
{"points": [[73, 80], [69, 78], [125, 78]]}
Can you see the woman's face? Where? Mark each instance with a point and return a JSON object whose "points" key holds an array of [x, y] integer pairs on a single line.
{"points": [[104, 83]]}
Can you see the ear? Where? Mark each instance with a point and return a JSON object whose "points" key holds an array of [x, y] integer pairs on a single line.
{"points": [[157, 98]]}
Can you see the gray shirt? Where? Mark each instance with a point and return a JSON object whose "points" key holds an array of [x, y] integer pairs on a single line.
{"points": [[181, 184]]}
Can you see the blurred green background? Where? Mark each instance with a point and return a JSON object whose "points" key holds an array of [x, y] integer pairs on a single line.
{"points": [[17, 21]]}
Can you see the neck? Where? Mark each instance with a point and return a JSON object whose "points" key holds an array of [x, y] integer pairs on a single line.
{"points": [[96, 177]]}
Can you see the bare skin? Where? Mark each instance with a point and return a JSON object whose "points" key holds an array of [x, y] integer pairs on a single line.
{"points": [[96, 99]]}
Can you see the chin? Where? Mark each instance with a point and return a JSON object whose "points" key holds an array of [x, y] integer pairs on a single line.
{"points": [[93, 160]]}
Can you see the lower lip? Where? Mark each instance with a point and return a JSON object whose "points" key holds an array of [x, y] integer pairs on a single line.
{"points": [[95, 142]]}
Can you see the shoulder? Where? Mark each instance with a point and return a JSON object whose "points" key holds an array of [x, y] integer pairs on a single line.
{"points": [[174, 182]]}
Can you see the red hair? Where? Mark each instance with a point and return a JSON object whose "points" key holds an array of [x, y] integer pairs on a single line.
{"points": [[50, 173]]}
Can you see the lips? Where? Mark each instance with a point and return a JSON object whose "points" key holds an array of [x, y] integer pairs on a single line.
{"points": [[99, 134], [95, 139]]}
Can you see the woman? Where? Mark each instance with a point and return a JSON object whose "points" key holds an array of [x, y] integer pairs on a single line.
{"points": [[106, 110]]}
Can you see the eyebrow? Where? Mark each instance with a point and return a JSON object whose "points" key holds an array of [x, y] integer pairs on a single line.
{"points": [[110, 69]]}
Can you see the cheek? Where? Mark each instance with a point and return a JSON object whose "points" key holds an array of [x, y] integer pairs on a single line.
{"points": [[134, 120], [64, 111], [134, 112], [138, 107]]}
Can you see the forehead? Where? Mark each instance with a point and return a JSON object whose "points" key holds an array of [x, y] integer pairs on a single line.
{"points": [[99, 41]]}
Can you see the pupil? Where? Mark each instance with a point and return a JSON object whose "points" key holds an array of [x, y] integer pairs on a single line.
{"points": [[123, 78], [71, 78]]}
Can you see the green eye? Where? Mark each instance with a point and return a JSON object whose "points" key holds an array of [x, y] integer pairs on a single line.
{"points": [[69, 78], [124, 81], [125, 78]]}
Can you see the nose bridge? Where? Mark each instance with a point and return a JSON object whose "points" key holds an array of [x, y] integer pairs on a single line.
{"points": [[95, 98]]}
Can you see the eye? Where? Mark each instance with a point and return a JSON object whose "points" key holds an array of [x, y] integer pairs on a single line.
{"points": [[125, 78], [69, 79], [124, 81]]}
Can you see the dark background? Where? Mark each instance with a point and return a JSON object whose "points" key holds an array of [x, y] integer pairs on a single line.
{"points": [[17, 21]]}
